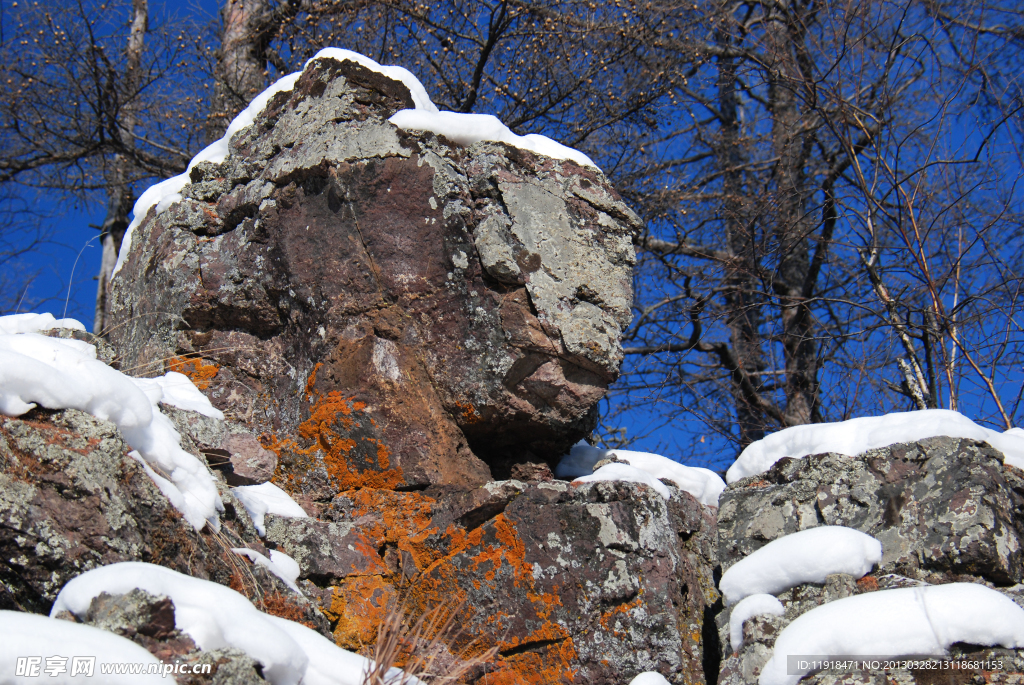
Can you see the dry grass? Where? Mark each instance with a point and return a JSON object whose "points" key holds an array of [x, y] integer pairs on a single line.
{"points": [[426, 649]]}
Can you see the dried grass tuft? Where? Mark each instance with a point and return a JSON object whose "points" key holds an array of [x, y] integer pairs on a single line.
{"points": [[427, 649]]}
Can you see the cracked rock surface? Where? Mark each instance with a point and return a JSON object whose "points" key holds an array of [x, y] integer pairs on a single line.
{"points": [[588, 584], [945, 510], [71, 499], [466, 303]]}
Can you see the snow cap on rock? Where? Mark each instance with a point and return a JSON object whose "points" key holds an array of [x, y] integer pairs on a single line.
{"points": [[857, 436], [901, 622], [807, 556], [704, 484]]}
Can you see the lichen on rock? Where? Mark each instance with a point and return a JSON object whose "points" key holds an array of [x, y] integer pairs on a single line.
{"points": [[472, 299]]}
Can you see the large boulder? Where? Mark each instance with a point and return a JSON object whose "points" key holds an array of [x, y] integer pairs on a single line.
{"points": [[945, 510], [938, 506], [384, 308]]}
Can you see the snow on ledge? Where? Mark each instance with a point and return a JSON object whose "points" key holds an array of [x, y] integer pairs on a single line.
{"points": [[627, 473], [703, 484], [463, 128], [23, 635], [467, 129], [213, 615], [177, 390], [65, 374], [279, 563], [332, 665], [857, 436], [753, 605], [901, 622], [216, 617], [649, 678], [35, 323], [267, 498], [807, 556]]}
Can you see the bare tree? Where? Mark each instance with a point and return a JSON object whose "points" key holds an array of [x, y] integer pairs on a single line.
{"points": [[831, 190], [90, 113], [119, 172], [816, 222]]}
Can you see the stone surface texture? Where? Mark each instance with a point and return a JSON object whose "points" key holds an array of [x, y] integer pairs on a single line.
{"points": [[945, 510], [150, 622], [383, 308], [586, 584], [71, 499]]}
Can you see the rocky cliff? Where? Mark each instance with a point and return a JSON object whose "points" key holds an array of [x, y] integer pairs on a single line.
{"points": [[405, 333]]}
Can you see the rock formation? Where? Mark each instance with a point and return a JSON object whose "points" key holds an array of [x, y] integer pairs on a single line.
{"points": [[404, 334], [385, 308], [945, 510]]}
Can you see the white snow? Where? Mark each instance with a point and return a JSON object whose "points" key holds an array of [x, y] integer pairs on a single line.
{"points": [[750, 606], [856, 436], [905, 621], [34, 323], [267, 498], [31, 635], [464, 128], [213, 615], [61, 374], [330, 664], [703, 484], [649, 678], [167, 192], [177, 390], [279, 563], [807, 556], [625, 472]]}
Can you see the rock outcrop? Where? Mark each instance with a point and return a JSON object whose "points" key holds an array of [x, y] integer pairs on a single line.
{"points": [[150, 622], [72, 499], [384, 308], [571, 583], [583, 584], [945, 510], [404, 334]]}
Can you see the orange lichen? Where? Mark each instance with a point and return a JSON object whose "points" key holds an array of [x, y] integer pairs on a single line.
{"points": [[548, 664], [494, 555], [198, 371], [400, 518], [329, 436], [609, 620], [359, 606], [279, 605], [469, 413], [868, 584]]}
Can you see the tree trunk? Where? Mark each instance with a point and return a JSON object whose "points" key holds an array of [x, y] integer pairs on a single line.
{"points": [[793, 223], [241, 63], [744, 308], [118, 176]]}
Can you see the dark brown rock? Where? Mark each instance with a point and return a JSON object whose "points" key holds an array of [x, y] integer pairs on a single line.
{"points": [[150, 622], [71, 499], [383, 308], [531, 471], [249, 460], [587, 584]]}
